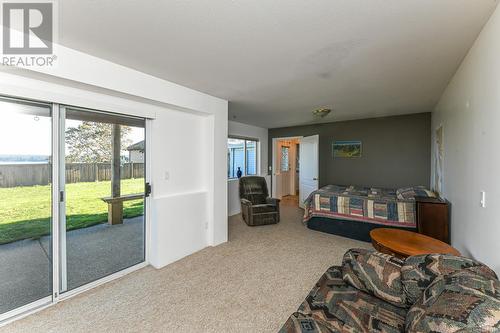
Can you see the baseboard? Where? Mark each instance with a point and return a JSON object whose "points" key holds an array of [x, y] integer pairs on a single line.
{"points": [[236, 212]]}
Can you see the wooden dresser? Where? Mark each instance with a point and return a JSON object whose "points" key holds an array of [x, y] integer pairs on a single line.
{"points": [[433, 218]]}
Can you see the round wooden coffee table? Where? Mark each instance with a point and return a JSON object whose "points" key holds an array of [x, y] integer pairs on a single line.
{"points": [[402, 243]]}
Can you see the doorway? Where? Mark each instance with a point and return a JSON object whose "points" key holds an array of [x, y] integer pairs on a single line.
{"points": [[286, 166], [295, 165], [73, 201]]}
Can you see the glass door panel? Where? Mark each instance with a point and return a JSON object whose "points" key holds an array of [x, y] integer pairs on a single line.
{"points": [[25, 203], [104, 227]]}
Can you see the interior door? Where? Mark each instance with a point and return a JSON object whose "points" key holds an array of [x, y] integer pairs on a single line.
{"points": [[274, 176], [309, 167], [285, 170]]}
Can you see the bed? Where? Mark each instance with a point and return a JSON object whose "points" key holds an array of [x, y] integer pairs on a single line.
{"points": [[353, 211]]}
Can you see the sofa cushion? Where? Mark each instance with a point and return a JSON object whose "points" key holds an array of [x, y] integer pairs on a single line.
{"points": [[419, 271], [301, 323], [333, 301], [459, 302], [375, 273], [362, 312], [317, 301], [259, 209]]}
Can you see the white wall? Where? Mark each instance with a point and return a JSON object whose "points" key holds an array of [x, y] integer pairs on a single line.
{"points": [[247, 131], [469, 111], [189, 207], [181, 202]]}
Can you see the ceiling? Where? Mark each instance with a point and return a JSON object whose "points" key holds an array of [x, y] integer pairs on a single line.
{"points": [[276, 61]]}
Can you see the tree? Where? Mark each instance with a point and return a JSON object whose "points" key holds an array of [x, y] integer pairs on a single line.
{"points": [[91, 142]]}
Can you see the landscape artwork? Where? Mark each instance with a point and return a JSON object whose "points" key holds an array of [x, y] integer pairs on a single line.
{"points": [[346, 149]]}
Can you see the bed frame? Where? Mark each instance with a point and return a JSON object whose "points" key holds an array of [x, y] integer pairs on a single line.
{"points": [[347, 228]]}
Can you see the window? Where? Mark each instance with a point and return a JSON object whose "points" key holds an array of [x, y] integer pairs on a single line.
{"points": [[285, 164], [251, 153], [241, 156]]}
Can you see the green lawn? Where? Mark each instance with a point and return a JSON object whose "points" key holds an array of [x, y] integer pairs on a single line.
{"points": [[25, 211]]}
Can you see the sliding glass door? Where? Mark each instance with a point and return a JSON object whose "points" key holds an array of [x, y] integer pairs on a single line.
{"points": [[103, 229], [72, 200], [25, 203]]}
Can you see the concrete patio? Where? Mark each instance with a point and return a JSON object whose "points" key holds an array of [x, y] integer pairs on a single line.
{"points": [[92, 253]]}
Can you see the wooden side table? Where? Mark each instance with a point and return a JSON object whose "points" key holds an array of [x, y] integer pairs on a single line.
{"points": [[433, 218], [402, 243]]}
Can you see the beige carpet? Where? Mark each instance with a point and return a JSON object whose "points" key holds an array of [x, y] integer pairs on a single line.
{"points": [[250, 284]]}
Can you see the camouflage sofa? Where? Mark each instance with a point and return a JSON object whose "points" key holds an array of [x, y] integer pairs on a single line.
{"points": [[375, 292]]}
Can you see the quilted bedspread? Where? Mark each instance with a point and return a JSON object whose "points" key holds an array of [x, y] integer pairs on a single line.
{"points": [[364, 204]]}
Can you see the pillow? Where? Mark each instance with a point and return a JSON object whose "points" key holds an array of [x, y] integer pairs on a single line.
{"points": [[460, 302], [375, 273], [418, 272], [409, 193]]}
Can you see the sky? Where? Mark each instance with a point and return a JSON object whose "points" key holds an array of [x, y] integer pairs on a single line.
{"points": [[24, 134]]}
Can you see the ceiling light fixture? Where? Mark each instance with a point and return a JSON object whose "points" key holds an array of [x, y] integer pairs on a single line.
{"points": [[321, 113]]}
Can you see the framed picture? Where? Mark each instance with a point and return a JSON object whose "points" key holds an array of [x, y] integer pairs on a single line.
{"points": [[346, 149]]}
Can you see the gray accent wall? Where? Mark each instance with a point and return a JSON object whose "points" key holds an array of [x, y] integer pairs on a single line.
{"points": [[396, 150]]}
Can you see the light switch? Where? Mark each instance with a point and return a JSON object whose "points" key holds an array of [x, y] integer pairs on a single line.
{"points": [[167, 175], [483, 199]]}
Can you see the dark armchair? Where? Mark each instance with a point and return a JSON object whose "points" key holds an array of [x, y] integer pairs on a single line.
{"points": [[257, 208]]}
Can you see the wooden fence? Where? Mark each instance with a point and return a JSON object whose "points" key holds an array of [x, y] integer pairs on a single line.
{"points": [[12, 175]]}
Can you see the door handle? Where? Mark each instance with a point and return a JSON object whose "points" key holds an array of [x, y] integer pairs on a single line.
{"points": [[315, 178]]}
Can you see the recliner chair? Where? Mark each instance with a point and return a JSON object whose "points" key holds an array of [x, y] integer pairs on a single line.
{"points": [[257, 208]]}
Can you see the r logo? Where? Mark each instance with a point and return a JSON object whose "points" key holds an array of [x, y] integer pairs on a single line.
{"points": [[27, 28]]}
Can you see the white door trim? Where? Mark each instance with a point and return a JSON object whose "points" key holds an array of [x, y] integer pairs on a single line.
{"points": [[25, 310], [147, 179], [56, 206], [61, 227]]}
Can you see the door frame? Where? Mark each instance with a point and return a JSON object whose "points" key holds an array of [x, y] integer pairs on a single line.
{"points": [[273, 162], [57, 225], [58, 207]]}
